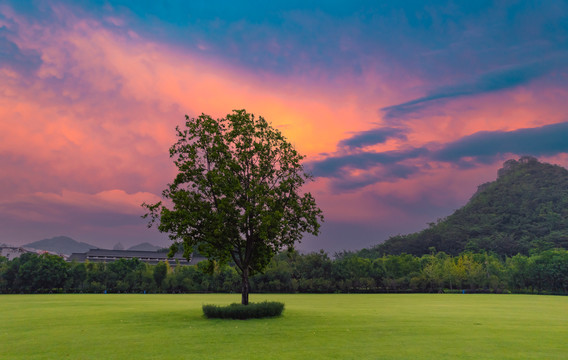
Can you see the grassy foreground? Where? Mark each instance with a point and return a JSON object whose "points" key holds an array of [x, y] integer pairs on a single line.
{"points": [[351, 326]]}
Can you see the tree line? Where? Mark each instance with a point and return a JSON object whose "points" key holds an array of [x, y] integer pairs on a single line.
{"points": [[292, 272]]}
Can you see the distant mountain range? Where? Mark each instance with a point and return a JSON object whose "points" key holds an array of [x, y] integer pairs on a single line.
{"points": [[66, 245], [61, 245]]}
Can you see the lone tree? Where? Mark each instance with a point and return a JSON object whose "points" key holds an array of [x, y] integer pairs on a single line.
{"points": [[237, 193]]}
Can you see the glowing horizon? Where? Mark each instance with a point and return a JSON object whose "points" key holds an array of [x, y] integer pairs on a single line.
{"points": [[398, 129]]}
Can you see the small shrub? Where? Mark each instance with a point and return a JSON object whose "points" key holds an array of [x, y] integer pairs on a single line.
{"points": [[243, 312]]}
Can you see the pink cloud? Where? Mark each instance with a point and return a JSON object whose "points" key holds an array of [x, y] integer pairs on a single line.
{"points": [[95, 120], [88, 128], [40, 203]]}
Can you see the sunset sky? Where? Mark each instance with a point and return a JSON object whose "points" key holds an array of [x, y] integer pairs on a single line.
{"points": [[402, 107]]}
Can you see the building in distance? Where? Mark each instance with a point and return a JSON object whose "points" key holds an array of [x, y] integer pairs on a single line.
{"points": [[149, 257]]}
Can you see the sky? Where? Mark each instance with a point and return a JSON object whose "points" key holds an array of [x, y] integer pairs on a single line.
{"points": [[402, 108]]}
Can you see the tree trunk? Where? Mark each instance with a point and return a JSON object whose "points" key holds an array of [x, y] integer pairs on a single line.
{"points": [[245, 287]]}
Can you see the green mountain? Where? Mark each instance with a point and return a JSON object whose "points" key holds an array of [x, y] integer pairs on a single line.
{"points": [[524, 210], [61, 245]]}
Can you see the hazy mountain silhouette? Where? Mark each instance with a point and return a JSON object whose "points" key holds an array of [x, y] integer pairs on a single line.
{"points": [[144, 247], [61, 245]]}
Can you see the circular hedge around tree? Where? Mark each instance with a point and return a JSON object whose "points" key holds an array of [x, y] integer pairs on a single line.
{"points": [[243, 312]]}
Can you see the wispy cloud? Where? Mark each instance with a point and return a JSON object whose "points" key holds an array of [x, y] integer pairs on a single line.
{"points": [[483, 146], [357, 170], [345, 182], [497, 80], [333, 166], [373, 137]]}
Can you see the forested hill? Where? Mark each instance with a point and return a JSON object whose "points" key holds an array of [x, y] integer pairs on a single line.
{"points": [[525, 209]]}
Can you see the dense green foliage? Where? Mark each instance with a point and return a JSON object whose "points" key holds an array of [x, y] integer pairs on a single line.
{"points": [[544, 272], [524, 210], [237, 195], [243, 312], [313, 326]]}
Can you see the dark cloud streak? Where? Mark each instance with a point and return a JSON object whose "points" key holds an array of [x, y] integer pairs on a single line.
{"points": [[333, 166], [386, 173], [373, 137], [502, 79], [485, 145]]}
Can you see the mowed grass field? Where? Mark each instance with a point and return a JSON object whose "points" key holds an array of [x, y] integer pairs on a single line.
{"points": [[347, 326]]}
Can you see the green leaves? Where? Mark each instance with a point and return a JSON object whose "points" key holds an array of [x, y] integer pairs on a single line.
{"points": [[236, 194]]}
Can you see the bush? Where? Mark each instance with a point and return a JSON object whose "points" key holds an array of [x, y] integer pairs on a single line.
{"points": [[243, 312]]}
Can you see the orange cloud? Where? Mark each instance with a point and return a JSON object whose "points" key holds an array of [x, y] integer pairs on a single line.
{"points": [[88, 125], [89, 128]]}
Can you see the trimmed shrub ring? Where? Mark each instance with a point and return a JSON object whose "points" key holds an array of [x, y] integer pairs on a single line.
{"points": [[243, 312]]}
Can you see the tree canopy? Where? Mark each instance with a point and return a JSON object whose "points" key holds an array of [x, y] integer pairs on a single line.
{"points": [[237, 195]]}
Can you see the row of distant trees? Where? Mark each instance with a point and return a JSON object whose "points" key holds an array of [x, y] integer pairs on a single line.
{"points": [[546, 272]]}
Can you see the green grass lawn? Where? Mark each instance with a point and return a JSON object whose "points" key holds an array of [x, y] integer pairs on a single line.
{"points": [[352, 326]]}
